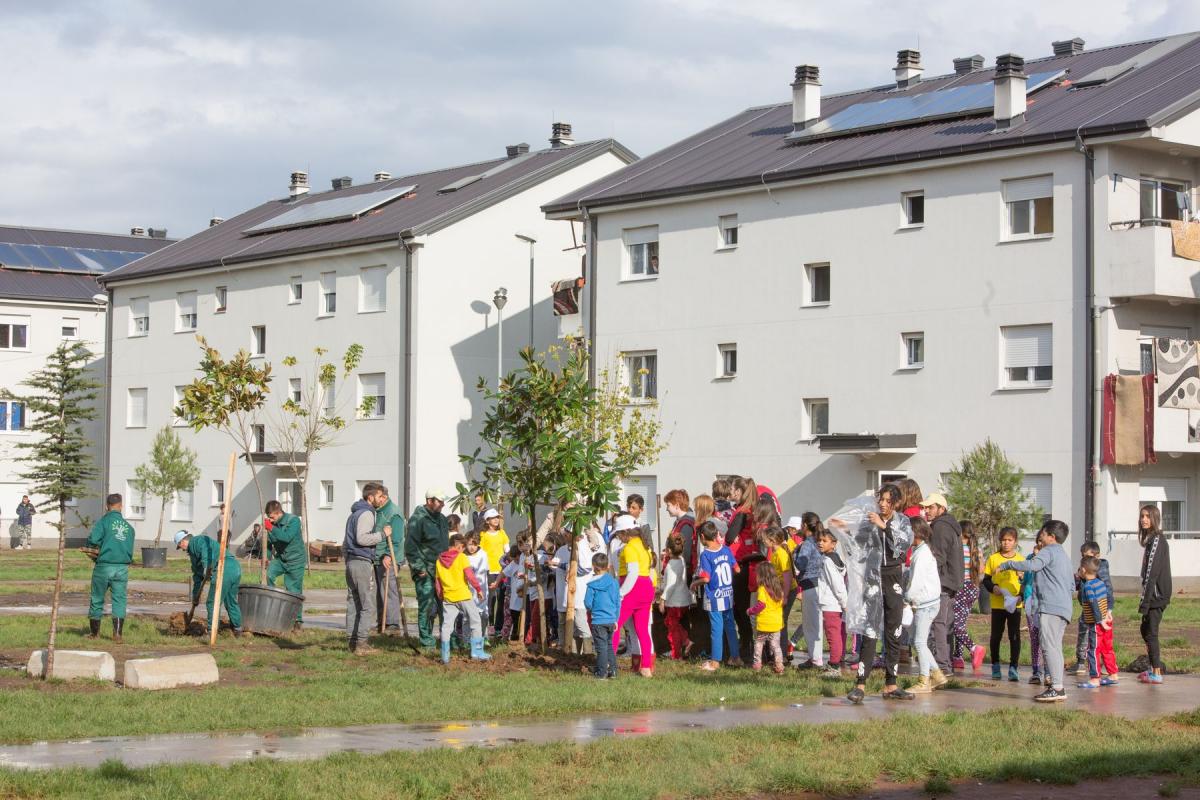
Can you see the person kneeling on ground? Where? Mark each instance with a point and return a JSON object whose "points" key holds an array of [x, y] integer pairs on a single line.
{"points": [[603, 599], [203, 552], [459, 590]]}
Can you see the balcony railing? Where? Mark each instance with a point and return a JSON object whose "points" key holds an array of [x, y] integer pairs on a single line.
{"points": [[1123, 535]]}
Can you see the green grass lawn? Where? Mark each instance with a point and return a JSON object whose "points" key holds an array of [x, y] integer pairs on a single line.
{"points": [[1054, 747]]}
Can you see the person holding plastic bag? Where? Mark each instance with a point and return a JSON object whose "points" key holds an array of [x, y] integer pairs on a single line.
{"points": [[874, 537]]}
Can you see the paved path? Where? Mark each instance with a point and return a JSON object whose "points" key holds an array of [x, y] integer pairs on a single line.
{"points": [[1130, 700]]}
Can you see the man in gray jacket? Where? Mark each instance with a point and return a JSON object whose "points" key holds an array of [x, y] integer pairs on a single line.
{"points": [[358, 548], [946, 545]]}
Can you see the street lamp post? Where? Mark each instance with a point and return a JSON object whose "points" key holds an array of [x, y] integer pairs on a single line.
{"points": [[525, 237], [500, 299]]}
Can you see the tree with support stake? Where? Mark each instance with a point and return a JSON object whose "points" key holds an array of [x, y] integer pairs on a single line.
{"points": [[57, 458], [219, 587], [171, 469]]}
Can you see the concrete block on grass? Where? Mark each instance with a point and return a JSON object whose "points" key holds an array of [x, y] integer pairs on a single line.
{"points": [[70, 664], [170, 672]]}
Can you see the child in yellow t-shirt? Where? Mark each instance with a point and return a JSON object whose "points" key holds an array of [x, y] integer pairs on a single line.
{"points": [[768, 614], [1005, 590]]}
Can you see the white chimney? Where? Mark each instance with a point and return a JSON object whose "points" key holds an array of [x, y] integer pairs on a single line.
{"points": [[299, 184], [806, 96], [1009, 106], [908, 68], [383, 176], [560, 135]]}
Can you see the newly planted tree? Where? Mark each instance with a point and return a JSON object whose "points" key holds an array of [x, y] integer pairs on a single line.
{"points": [[988, 489], [228, 396], [171, 468], [57, 460]]}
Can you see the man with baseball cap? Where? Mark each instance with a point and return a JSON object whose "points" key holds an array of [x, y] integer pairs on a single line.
{"points": [[428, 537], [946, 546], [203, 552]]}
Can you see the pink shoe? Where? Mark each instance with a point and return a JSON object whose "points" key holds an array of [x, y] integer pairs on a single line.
{"points": [[958, 663], [977, 657]]}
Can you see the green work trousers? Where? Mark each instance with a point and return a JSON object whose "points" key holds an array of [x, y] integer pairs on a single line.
{"points": [[230, 582], [427, 607], [293, 580], [106, 578]]}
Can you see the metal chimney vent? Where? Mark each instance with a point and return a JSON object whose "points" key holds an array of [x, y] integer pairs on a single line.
{"points": [[156, 233], [968, 64], [515, 150], [1068, 47], [383, 176], [344, 182], [212, 223], [137, 231]]}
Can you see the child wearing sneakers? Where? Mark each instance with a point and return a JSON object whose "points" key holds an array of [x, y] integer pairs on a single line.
{"points": [[923, 596], [1085, 641], [831, 595], [1093, 596], [1005, 591], [767, 612]]}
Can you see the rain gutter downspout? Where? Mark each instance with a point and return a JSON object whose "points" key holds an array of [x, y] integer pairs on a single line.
{"points": [[592, 280], [1092, 472], [406, 437], [105, 473]]}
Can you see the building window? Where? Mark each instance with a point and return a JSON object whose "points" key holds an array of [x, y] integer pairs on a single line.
{"points": [[258, 340], [135, 501], [914, 349], [1169, 496], [1039, 491], [326, 494], [287, 492], [1029, 207], [641, 247], [14, 333], [729, 230], [218, 492], [1164, 200], [816, 278], [70, 327], [641, 375], [258, 438], [176, 419], [295, 289], [329, 400], [816, 418], [914, 208], [727, 361], [12, 416], [328, 293], [294, 393], [221, 299], [135, 413], [1027, 356], [372, 397], [185, 311], [372, 289], [181, 507], [1146, 343], [139, 316]]}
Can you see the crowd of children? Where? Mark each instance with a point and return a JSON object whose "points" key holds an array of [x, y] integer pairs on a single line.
{"points": [[902, 573]]}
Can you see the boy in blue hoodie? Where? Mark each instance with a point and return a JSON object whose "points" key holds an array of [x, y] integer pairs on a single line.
{"points": [[603, 601]]}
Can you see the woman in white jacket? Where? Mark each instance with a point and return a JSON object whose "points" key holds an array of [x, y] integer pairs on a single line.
{"points": [[924, 596]]}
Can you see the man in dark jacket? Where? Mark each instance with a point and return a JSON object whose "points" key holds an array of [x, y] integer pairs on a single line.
{"points": [[358, 548], [946, 545], [389, 521], [428, 536]]}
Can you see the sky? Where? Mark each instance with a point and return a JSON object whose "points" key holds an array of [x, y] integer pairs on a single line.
{"points": [[135, 113]]}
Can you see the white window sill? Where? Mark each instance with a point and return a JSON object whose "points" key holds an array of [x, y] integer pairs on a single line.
{"points": [[639, 401], [138, 335], [257, 355], [372, 311], [131, 515], [638, 278], [21, 432], [1025, 387], [911, 368], [325, 507], [135, 427], [186, 330], [1026, 237], [911, 226], [724, 378], [369, 419], [725, 248], [295, 302], [176, 519], [329, 314], [822, 304], [219, 311], [811, 438]]}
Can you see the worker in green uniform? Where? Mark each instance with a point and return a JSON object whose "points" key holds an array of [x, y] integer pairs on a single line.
{"points": [[286, 543], [389, 520], [113, 537], [428, 536], [203, 552]]}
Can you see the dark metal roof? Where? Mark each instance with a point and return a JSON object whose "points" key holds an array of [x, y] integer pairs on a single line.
{"points": [[50, 250], [752, 147], [424, 211], [20, 234], [47, 286]]}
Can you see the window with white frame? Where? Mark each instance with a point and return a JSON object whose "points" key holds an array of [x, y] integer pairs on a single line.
{"points": [[328, 293], [181, 506], [12, 416], [1169, 496], [1039, 492], [912, 350], [641, 375], [641, 252], [185, 311], [816, 285], [815, 420], [1027, 356], [135, 501], [258, 340], [177, 419], [287, 492], [139, 316], [1164, 199], [70, 327], [728, 225], [1146, 339], [258, 438], [295, 289], [220, 299], [913, 204], [372, 395], [218, 492], [1029, 207], [14, 332], [727, 360], [372, 289], [329, 400], [326, 494], [135, 407], [294, 393]]}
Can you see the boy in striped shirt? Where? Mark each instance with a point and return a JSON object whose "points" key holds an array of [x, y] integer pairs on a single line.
{"points": [[1093, 596]]}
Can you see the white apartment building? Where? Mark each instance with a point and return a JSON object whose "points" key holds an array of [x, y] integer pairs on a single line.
{"points": [[408, 267], [49, 294], [834, 292]]}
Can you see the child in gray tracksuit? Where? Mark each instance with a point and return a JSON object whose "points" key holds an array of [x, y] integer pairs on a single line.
{"points": [[1053, 589]]}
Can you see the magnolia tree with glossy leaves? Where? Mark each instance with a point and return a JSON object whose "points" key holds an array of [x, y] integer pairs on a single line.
{"points": [[988, 489], [171, 468]]}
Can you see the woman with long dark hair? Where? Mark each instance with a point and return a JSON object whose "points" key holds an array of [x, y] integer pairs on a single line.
{"points": [[1156, 587], [742, 539]]}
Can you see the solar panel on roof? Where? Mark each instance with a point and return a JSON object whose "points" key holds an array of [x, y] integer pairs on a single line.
{"points": [[337, 209], [9, 257], [34, 257], [63, 258]]}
